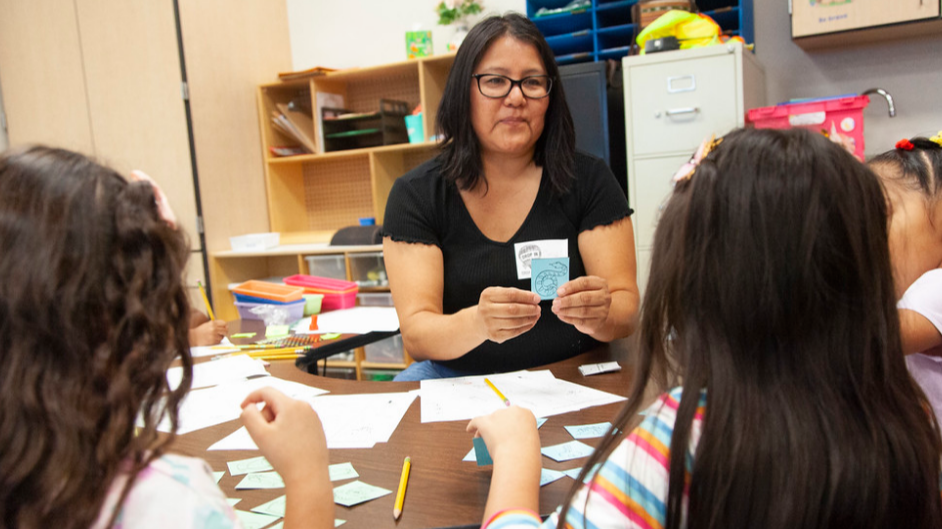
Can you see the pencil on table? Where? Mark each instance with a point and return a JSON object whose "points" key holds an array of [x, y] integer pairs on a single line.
{"points": [[499, 394], [209, 309], [403, 481]]}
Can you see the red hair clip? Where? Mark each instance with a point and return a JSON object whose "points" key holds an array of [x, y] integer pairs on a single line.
{"points": [[905, 145]]}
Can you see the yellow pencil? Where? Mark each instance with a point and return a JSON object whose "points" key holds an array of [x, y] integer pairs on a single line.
{"points": [[499, 394], [403, 481], [209, 309]]}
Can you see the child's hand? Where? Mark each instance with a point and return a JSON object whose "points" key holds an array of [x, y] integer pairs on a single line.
{"points": [[209, 333], [584, 303], [509, 433], [289, 434]]}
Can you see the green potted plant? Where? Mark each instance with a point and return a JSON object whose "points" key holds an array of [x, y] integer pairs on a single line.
{"points": [[455, 12]]}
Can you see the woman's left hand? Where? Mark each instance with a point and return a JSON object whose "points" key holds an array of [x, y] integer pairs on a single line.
{"points": [[584, 303]]}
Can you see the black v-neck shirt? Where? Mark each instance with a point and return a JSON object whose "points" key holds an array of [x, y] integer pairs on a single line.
{"points": [[424, 207]]}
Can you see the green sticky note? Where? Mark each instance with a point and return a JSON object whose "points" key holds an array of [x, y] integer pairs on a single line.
{"points": [[277, 330], [243, 335], [481, 453], [330, 336]]}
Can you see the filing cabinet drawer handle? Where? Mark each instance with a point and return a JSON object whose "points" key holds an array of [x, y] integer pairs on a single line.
{"points": [[674, 84], [682, 111]]}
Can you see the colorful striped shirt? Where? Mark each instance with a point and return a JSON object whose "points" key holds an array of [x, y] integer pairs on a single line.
{"points": [[630, 487]]}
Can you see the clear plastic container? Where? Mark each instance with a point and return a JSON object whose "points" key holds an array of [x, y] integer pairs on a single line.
{"points": [[374, 299], [368, 269], [331, 266], [388, 351]]}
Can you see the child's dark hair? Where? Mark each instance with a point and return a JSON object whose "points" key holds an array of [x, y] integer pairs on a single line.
{"points": [[916, 164], [92, 311], [771, 288]]}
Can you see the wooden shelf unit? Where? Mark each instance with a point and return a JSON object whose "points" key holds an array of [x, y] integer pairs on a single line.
{"points": [[321, 193]]}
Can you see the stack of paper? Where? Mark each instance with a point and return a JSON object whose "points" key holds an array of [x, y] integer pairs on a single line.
{"points": [[296, 125], [464, 398]]}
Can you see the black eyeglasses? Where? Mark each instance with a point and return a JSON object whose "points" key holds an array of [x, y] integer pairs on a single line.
{"points": [[498, 86]]}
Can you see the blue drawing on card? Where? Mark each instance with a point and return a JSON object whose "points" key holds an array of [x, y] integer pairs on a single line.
{"points": [[548, 275]]}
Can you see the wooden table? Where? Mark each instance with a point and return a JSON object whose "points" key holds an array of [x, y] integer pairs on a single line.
{"points": [[443, 490]]}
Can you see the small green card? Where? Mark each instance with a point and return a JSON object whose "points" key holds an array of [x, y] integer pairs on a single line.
{"points": [[277, 330]]}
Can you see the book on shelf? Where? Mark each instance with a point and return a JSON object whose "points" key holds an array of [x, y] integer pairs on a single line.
{"points": [[296, 124], [310, 72]]}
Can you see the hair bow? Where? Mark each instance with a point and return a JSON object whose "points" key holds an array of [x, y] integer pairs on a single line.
{"points": [[937, 139], [905, 145], [686, 171]]}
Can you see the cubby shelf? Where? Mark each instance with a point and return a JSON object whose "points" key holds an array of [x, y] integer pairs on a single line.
{"points": [[606, 30]]}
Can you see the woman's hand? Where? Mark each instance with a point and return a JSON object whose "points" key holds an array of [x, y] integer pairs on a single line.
{"points": [[584, 302], [289, 434], [505, 313]]}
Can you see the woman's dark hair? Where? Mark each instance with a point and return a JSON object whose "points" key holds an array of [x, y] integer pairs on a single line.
{"points": [[92, 312], [771, 288], [919, 168], [461, 149]]}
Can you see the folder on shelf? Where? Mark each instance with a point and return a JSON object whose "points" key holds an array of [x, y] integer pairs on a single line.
{"points": [[310, 72], [296, 124]]}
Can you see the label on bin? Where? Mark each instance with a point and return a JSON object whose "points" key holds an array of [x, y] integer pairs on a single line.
{"points": [[808, 118]]}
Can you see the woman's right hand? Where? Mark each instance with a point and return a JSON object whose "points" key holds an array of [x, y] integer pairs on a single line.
{"points": [[505, 313], [289, 434]]}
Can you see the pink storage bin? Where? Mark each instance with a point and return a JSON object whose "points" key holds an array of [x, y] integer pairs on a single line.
{"points": [[843, 115], [338, 294], [295, 310]]}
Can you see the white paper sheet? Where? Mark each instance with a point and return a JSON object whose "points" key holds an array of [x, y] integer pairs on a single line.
{"points": [[358, 320], [464, 398], [203, 408], [229, 369], [360, 421]]}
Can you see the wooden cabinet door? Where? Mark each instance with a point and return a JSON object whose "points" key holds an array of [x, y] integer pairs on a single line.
{"points": [[42, 76]]}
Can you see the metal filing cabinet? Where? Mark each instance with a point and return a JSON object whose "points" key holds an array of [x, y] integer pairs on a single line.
{"points": [[673, 100]]}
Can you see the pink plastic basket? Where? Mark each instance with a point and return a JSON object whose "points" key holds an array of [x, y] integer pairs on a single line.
{"points": [[338, 294], [840, 115]]}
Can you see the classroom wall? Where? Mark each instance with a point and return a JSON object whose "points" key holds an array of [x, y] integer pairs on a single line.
{"points": [[335, 34], [910, 70], [351, 33]]}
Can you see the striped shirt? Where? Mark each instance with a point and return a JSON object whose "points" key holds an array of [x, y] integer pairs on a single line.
{"points": [[630, 487]]}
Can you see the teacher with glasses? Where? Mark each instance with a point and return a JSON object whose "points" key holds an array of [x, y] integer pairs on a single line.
{"points": [[508, 195]]}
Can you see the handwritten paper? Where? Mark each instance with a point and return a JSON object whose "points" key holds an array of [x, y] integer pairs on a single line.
{"points": [[211, 406], [588, 431], [358, 492], [573, 472], [358, 320], [261, 480], [464, 398], [276, 507], [361, 421], [231, 369], [567, 451], [342, 471], [548, 476], [252, 520], [247, 466]]}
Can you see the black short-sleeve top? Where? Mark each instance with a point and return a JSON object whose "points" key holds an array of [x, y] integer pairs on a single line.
{"points": [[424, 207]]}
